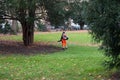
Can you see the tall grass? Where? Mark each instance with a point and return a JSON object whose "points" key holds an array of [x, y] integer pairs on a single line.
{"points": [[78, 62]]}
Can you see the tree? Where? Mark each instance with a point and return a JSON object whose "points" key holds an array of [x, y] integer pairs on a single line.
{"points": [[27, 11], [103, 17], [56, 11], [77, 9], [23, 11]]}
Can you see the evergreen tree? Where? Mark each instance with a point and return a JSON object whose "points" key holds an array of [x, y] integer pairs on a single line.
{"points": [[27, 11], [103, 17], [56, 11]]}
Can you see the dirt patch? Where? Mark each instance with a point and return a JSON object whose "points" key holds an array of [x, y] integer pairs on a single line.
{"points": [[13, 47], [115, 76]]}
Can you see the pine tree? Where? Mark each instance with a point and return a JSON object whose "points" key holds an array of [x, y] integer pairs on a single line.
{"points": [[103, 17]]}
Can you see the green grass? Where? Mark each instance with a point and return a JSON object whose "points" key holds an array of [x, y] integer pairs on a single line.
{"points": [[78, 62], [75, 37]]}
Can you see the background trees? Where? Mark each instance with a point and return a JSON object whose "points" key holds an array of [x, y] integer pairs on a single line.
{"points": [[56, 11], [26, 12], [103, 17], [77, 9]]}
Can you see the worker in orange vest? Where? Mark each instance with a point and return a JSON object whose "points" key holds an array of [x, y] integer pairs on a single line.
{"points": [[63, 40]]}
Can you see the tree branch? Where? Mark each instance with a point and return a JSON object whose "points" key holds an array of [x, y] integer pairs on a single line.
{"points": [[6, 16]]}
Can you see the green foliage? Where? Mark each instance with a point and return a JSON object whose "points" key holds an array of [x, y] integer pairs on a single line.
{"points": [[1, 21], [41, 27], [7, 29], [28, 11], [2, 7], [103, 17], [56, 11], [77, 12]]}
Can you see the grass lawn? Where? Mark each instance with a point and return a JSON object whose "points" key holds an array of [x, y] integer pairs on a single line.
{"points": [[81, 61]]}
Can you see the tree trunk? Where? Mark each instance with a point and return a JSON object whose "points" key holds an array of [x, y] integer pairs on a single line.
{"points": [[28, 23], [28, 33], [81, 23], [14, 26]]}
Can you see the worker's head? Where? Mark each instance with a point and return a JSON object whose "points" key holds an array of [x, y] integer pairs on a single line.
{"points": [[63, 31]]}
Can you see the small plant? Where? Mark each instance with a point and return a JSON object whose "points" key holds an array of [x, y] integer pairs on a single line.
{"points": [[6, 29], [41, 27]]}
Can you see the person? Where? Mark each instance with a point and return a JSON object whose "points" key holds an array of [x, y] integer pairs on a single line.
{"points": [[63, 40]]}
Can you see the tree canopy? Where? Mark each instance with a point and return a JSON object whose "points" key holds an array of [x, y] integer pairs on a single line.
{"points": [[103, 17], [56, 11], [26, 12], [77, 9]]}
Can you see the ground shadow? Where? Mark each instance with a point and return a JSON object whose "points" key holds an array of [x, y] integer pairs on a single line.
{"points": [[115, 76], [13, 47]]}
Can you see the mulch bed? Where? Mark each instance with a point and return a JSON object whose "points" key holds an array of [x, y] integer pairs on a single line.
{"points": [[13, 47]]}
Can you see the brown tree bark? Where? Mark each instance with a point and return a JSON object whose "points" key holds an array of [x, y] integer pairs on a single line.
{"points": [[28, 33], [81, 23], [28, 24]]}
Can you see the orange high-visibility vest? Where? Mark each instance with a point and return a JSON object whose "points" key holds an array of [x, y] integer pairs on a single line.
{"points": [[64, 43]]}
